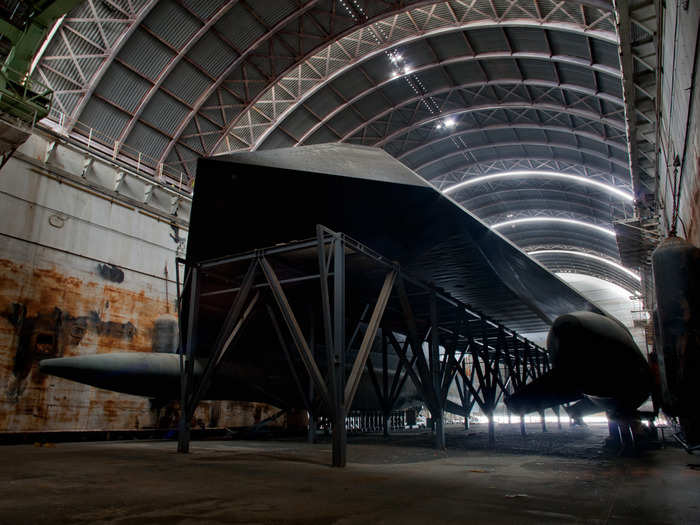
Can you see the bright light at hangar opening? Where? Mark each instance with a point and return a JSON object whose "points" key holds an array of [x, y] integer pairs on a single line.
{"points": [[554, 219], [545, 174], [589, 256]]}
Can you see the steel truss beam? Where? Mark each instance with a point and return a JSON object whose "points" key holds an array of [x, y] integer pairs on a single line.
{"points": [[254, 50], [515, 126], [509, 202], [521, 106], [529, 235], [552, 145], [388, 394], [282, 57], [85, 37], [507, 164], [638, 41], [456, 89], [287, 93], [569, 262]]}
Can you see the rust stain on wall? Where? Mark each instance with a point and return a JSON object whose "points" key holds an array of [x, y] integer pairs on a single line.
{"points": [[693, 231], [46, 312]]}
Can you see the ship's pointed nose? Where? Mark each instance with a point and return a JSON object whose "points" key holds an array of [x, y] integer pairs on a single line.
{"points": [[60, 366], [143, 374]]}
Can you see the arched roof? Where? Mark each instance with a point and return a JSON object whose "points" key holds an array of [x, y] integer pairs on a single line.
{"points": [[455, 89]]}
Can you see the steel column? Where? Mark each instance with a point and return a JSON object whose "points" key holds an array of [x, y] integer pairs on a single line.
{"points": [[338, 363], [186, 371], [434, 355]]}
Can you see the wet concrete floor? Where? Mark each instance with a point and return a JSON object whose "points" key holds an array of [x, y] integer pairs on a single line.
{"points": [[558, 477]]}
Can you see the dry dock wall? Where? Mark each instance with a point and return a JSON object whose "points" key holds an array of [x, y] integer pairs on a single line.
{"points": [[85, 270]]}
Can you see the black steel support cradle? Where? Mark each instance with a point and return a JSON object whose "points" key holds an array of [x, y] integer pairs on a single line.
{"points": [[446, 349]]}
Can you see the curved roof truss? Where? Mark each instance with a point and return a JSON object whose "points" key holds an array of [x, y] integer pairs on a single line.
{"points": [[451, 90], [484, 130], [506, 201], [593, 153], [251, 132], [537, 235], [507, 164], [587, 263], [486, 88], [213, 76]]}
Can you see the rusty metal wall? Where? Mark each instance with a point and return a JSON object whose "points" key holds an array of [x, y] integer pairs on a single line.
{"points": [[83, 274]]}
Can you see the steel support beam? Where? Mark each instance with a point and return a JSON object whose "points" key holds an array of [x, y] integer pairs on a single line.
{"points": [[436, 383], [186, 371], [339, 354], [231, 329], [368, 339], [624, 31], [295, 331]]}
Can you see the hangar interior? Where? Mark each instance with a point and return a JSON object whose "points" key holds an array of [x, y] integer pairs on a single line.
{"points": [[278, 235]]}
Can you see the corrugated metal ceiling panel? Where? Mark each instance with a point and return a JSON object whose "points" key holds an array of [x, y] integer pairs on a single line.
{"points": [[107, 119], [171, 23], [247, 29], [164, 112], [487, 40], [212, 55], [146, 140], [123, 87], [186, 82], [146, 54], [204, 8]]}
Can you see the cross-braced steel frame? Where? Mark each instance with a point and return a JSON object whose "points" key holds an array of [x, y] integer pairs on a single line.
{"points": [[438, 340]]}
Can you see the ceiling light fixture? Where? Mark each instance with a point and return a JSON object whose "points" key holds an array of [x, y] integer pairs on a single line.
{"points": [[554, 219], [590, 256], [545, 174]]}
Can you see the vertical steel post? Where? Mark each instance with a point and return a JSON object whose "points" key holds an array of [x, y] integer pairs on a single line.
{"points": [[186, 371], [311, 434], [491, 383], [434, 355], [325, 304], [385, 384], [339, 430]]}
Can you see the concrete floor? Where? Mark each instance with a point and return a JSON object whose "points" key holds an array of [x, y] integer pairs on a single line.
{"points": [[399, 481]]}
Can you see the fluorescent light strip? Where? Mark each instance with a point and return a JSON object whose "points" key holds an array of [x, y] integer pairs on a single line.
{"points": [[590, 256], [555, 219], [547, 174]]}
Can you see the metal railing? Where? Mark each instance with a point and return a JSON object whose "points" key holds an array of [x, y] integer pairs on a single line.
{"points": [[171, 175]]}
